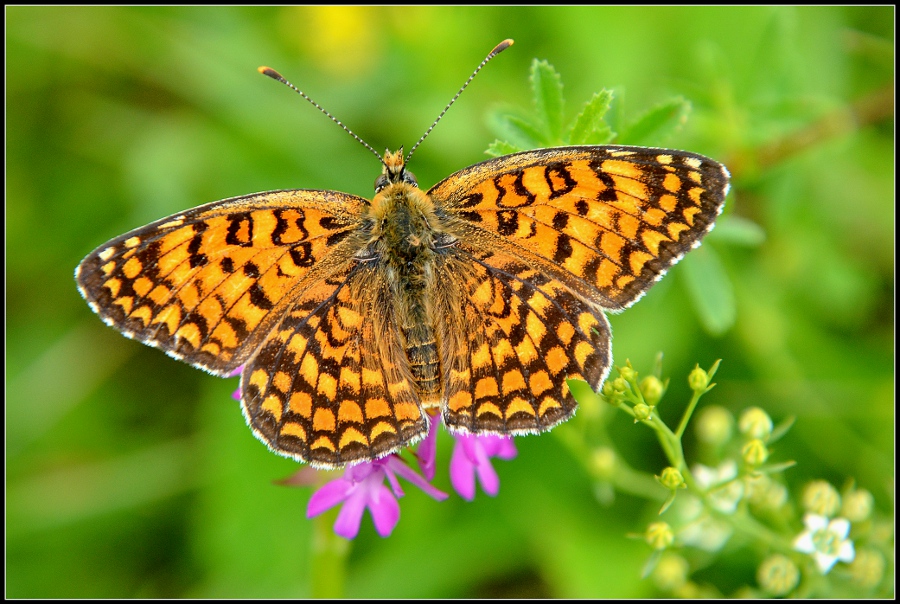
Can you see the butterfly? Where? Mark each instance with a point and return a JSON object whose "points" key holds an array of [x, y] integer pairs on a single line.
{"points": [[354, 319]]}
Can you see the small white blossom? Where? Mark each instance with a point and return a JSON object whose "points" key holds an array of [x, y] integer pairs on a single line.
{"points": [[825, 540], [724, 491], [706, 533]]}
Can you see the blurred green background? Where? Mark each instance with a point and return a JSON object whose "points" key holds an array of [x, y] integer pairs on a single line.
{"points": [[132, 475]]}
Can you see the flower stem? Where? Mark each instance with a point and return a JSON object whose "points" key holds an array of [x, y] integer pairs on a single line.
{"points": [[329, 557]]}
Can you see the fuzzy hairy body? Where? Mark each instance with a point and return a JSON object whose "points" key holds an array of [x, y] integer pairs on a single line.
{"points": [[407, 237]]}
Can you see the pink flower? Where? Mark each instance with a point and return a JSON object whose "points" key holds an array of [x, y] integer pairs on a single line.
{"points": [[426, 454], [236, 395], [362, 486], [471, 456]]}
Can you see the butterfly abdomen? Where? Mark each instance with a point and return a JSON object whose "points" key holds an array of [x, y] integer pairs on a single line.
{"points": [[404, 235]]}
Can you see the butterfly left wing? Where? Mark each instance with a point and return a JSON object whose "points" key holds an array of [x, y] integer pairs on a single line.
{"points": [[207, 285], [607, 221]]}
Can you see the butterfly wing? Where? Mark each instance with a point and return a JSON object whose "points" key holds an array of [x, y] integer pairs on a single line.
{"points": [[607, 221], [512, 337], [545, 241], [332, 384], [207, 285]]}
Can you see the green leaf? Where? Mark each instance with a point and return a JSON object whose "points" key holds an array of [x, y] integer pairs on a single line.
{"points": [[590, 126], [710, 290], [781, 429], [499, 147], [546, 85], [738, 231], [518, 129], [657, 123]]}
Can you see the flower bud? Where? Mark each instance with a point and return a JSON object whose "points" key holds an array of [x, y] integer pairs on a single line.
{"points": [[867, 568], [857, 505], [714, 425], [698, 379], [671, 478], [755, 423], [755, 453], [778, 575], [659, 535], [819, 497], [642, 412], [603, 462], [671, 572], [607, 390], [652, 389]]}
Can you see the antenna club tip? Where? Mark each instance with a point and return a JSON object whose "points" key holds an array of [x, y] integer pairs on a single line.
{"points": [[268, 71], [502, 46]]}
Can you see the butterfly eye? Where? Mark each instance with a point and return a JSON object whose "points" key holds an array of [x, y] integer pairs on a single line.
{"points": [[406, 177], [409, 178]]}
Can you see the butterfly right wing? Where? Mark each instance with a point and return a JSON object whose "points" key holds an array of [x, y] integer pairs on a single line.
{"points": [[511, 335]]}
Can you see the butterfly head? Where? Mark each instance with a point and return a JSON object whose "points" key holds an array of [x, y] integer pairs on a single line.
{"points": [[394, 171]]}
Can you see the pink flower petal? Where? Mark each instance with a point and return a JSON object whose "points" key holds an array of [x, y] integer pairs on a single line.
{"points": [[385, 512], [471, 457], [487, 476], [328, 496], [426, 453], [397, 466], [462, 472], [350, 516]]}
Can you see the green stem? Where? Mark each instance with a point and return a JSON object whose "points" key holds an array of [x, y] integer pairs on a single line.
{"points": [[687, 413], [670, 443], [329, 557]]}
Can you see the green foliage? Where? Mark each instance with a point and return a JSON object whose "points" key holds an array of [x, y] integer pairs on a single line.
{"points": [[132, 475], [544, 126]]}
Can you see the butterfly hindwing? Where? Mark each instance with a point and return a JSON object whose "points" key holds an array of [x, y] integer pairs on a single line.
{"points": [[514, 337], [332, 385]]}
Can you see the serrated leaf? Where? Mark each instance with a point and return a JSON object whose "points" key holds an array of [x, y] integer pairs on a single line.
{"points": [[546, 86], [710, 290], [590, 126], [519, 130], [657, 123], [499, 147]]}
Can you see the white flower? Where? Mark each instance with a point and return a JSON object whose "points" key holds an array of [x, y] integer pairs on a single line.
{"points": [[825, 540], [724, 492]]}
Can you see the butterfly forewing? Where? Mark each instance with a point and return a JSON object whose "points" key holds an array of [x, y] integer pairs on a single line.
{"points": [[613, 218], [207, 285]]}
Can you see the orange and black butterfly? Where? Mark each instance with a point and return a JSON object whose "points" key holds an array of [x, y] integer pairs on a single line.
{"points": [[353, 317]]}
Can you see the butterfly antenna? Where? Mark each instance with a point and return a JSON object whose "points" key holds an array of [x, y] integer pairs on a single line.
{"points": [[268, 71], [497, 50]]}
